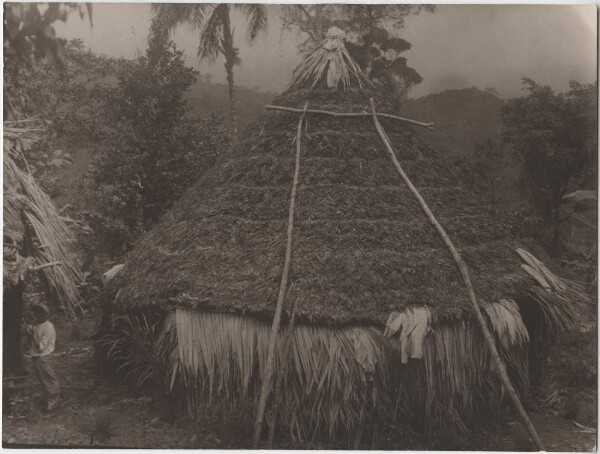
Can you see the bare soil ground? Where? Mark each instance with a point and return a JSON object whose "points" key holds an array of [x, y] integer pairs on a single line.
{"points": [[97, 410]]}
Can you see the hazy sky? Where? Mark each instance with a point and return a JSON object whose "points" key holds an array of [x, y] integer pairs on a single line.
{"points": [[458, 46]]}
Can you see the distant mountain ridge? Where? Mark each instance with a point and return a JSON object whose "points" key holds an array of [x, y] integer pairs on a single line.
{"points": [[206, 97], [462, 117]]}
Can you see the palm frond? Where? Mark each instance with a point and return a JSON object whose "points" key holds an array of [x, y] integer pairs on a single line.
{"points": [[172, 15], [25, 201], [257, 19], [210, 39]]}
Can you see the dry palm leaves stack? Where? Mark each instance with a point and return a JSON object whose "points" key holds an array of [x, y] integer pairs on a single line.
{"points": [[563, 303], [331, 64], [362, 249], [32, 223]]}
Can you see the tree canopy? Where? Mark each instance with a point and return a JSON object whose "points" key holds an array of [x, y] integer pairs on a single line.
{"points": [[372, 38], [154, 151], [555, 136], [212, 21]]}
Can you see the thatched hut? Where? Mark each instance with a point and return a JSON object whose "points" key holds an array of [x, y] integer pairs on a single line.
{"points": [[383, 329]]}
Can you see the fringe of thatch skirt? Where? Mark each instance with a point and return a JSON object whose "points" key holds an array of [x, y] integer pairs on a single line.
{"points": [[336, 380]]}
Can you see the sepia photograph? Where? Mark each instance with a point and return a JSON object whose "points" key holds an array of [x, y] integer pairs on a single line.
{"points": [[329, 226]]}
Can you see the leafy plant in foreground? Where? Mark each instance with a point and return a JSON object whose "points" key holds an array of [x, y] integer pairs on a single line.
{"points": [[141, 348]]}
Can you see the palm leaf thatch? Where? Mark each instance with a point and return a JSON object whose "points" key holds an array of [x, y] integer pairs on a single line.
{"points": [[27, 206], [562, 303], [508, 325], [333, 380], [362, 250]]}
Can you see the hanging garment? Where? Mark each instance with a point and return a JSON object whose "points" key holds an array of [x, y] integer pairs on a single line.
{"points": [[410, 328]]}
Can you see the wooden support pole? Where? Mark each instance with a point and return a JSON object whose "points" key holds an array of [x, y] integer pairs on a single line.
{"points": [[352, 114], [462, 267], [287, 345], [268, 376]]}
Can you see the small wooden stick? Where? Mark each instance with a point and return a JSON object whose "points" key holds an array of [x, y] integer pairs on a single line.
{"points": [[462, 267], [268, 377], [68, 205], [46, 265], [352, 114]]}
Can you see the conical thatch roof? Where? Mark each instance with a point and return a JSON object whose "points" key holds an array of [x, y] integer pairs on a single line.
{"points": [[362, 246]]}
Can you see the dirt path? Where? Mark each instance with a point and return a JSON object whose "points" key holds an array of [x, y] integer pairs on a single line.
{"points": [[94, 408], [97, 411], [99, 406]]}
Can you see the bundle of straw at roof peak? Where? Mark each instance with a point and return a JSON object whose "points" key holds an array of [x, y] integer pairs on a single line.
{"points": [[331, 59]]}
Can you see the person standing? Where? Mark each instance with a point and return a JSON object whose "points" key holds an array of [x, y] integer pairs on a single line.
{"points": [[43, 340]]}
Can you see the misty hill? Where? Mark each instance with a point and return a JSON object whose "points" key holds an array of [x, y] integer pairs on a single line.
{"points": [[206, 97], [461, 117]]}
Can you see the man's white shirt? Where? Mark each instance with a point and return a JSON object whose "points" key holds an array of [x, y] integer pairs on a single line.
{"points": [[44, 339]]}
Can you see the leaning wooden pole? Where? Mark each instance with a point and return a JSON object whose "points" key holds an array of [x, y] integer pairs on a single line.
{"points": [[462, 267], [277, 392], [268, 375]]}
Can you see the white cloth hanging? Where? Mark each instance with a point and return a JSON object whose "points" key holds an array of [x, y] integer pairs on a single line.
{"points": [[410, 328]]}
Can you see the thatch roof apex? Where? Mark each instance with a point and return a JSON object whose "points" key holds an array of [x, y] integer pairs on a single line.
{"points": [[330, 65]]}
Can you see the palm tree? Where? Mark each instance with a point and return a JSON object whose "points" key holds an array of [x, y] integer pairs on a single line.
{"points": [[213, 22]]}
